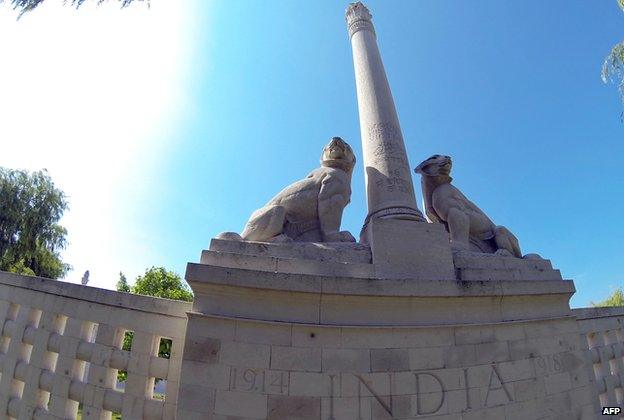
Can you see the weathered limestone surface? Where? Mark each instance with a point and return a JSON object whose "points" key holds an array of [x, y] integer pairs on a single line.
{"points": [[303, 343], [397, 327], [478, 266], [356, 260], [330, 252], [404, 248], [489, 371], [602, 329], [400, 242], [389, 187], [525, 356], [494, 349], [60, 345]]}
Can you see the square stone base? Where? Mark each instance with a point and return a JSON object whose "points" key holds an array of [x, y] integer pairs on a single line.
{"points": [[409, 249]]}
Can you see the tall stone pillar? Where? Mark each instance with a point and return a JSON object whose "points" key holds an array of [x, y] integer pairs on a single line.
{"points": [[401, 245], [389, 187]]}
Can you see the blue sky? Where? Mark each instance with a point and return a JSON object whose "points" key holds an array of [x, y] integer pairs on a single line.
{"points": [[511, 90]]}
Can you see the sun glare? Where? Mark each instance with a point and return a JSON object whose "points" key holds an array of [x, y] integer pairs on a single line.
{"points": [[84, 93]]}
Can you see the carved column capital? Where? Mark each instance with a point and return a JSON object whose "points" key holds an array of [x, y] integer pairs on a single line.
{"points": [[358, 18]]}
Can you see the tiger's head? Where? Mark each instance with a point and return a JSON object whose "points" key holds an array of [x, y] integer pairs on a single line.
{"points": [[338, 154]]}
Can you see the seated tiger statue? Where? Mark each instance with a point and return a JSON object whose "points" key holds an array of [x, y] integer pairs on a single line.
{"points": [[309, 210], [468, 226]]}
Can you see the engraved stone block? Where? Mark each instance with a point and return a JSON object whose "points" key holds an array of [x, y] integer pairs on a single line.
{"points": [[197, 398], [346, 360], [296, 358], [307, 384], [426, 358], [389, 360], [241, 404], [244, 354], [463, 355], [295, 408], [492, 352], [202, 349]]}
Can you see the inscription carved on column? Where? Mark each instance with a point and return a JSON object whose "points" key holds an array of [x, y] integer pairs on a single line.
{"points": [[386, 136], [390, 150]]}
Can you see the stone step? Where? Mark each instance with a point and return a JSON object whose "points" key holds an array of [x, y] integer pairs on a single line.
{"points": [[472, 274], [286, 265], [339, 252], [203, 274], [490, 261]]}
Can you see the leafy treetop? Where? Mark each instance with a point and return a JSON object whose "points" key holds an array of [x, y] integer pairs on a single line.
{"points": [[30, 236], [616, 298], [27, 5], [122, 284], [158, 282], [613, 66]]}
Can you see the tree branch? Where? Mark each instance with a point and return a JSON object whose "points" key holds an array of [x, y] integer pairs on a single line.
{"points": [[27, 5]]}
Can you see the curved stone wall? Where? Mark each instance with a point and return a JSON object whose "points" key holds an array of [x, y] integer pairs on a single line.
{"points": [[60, 348], [602, 328], [306, 344], [301, 344]]}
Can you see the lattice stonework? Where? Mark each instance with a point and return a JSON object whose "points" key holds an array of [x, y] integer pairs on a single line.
{"points": [[61, 350], [604, 331]]}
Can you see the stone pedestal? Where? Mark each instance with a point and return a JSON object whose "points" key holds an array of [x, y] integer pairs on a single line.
{"points": [[275, 335], [397, 327], [404, 249]]}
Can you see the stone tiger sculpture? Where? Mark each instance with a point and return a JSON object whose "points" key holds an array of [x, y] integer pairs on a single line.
{"points": [[468, 226], [309, 210]]}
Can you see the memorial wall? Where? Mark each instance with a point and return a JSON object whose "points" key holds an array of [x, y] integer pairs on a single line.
{"points": [[435, 314]]}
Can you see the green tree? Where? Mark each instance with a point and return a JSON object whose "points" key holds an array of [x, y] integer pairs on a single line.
{"points": [[615, 299], [613, 66], [122, 284], [158, 282], [30, 237]]}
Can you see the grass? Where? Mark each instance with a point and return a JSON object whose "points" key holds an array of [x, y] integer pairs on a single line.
{"points": [[117, 416]]}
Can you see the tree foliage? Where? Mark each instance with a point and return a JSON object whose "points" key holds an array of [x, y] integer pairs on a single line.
{"points": [[613, 66], [158, 282], [122, 284], [30, 236], [615, 299], [27, 5]]}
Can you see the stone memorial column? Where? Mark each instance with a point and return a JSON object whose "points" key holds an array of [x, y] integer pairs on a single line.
{"points": [[401, 244], [396, 327], [389, 187]]}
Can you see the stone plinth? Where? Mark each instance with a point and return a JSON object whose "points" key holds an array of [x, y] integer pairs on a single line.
{"points": [[274, 335], [408, 249]]}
